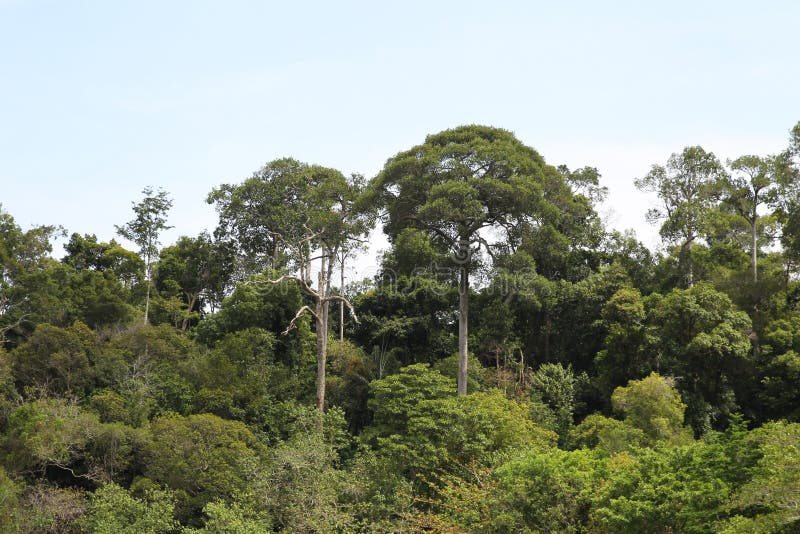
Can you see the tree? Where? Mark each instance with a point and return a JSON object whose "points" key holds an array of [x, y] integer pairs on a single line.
{"points": [[557, 387], [566, 236], [202, 457], [701, 338], [308, 213], [85, 253], [751, 186], [55, 360], [625, 354], [26, 293], [788, 202], [113, 509], [654, 406], [421, 428], [459, 186], [768, 501], [198, 269], [263, 213], [688, 188], [144, 229]]}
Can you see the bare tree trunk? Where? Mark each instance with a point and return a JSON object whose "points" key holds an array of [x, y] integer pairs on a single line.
{"points": [[147, 297], [463, 319], [341, 303], [322, 337], [321, 297], [689, 264], [754, 244], [322, 351]]}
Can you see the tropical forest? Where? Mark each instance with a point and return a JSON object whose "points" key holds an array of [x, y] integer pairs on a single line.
{"points": [[513, 365]]}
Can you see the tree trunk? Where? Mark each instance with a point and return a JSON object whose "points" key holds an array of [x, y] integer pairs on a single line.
{"points": [[463, 316], [322, 338], [341, 302], [322, 352], [754, 244], [147, 297], [689, 264], [192, 301]]}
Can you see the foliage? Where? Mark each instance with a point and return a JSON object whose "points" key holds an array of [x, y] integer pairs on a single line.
{"points": [[149, 221], [421, 428], [769, 498], [688, 187], [557, 386], [202, 457], [703, 341], [113, 509], [202, 418], [56, 360], [653, 405]]}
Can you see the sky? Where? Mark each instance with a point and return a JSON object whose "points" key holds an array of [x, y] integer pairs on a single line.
{"points": [[99, 99]]}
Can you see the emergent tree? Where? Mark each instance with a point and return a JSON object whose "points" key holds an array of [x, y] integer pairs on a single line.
{"points": [[318, 217], [463, 187], [150, 221], [688, 188]]}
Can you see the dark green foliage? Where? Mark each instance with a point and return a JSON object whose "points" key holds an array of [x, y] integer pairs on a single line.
{"points": [[270, 307], [202, 458], [406, 320], [197, 272], [703, 339], [420, 427], [56, 360]]}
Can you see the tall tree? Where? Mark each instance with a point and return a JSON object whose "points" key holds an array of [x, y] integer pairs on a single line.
{"points": [[462, 187], [149, 222], [688, 187], [699, 336], [749, 187], [263, 213], [788, 200], [298, 216]]}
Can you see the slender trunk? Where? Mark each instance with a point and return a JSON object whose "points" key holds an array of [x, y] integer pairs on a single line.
{"points": [[754, 244], [341, 302], [327, 266], [147, 297], [463, 312], [322, 338], [689, 264], [322, 349]]}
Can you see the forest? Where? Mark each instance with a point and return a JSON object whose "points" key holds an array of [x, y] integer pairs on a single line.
{"points": [[515, 366]]}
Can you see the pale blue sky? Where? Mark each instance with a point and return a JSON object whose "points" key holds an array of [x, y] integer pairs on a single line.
{"points": [[100, 99]]}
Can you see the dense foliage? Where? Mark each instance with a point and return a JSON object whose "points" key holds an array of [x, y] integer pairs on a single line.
{"points": [[513, 367]]}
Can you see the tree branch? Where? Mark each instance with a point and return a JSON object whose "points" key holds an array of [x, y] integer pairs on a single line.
{"points": [[346, 302], [303, 284], [293, 322]]}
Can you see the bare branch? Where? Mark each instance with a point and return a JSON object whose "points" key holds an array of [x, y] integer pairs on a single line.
{"points": [[487, 246], [340, 298], [300, 312], [303, 284]]}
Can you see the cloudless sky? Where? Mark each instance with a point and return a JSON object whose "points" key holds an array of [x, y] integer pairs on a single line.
{"points": [[99, 99]]}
